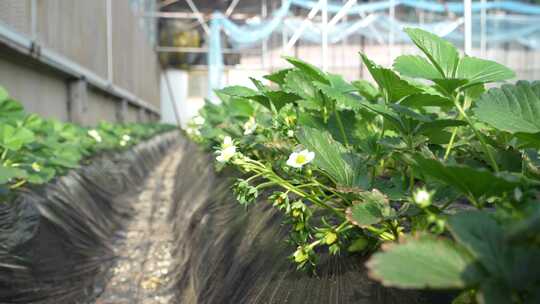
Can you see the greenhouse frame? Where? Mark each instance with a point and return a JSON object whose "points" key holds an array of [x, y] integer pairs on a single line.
{"points": [[270, 151]]}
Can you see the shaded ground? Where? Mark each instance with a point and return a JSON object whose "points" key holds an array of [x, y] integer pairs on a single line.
{"points": [[143, 248]]}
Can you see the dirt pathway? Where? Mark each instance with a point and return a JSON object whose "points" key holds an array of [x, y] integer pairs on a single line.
{"points": [[143, 248]]}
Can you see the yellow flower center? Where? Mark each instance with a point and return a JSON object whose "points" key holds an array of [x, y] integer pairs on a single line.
{"points": [[300, 159]]}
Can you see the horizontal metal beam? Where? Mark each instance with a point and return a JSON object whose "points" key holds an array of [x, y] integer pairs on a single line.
{"points": [[190, 15], [26, 46], [173, 49]]}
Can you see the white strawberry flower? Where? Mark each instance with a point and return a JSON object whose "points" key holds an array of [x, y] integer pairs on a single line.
{"points": [[227, 142], [193, 132], [198, 120], [126, 138], [36, 167], [228, 150], [299, 159], [422, 197], [290, 133], [95, 135], [250, 126]]}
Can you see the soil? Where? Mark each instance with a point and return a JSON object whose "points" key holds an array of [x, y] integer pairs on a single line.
{"points": [[143, 257]]}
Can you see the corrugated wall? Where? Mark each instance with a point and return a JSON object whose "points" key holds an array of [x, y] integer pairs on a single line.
{"points": [[77, 30], [131, 53], [16, 14]]}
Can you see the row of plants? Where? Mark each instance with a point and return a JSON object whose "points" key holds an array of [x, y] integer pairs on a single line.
{"points": [[34, 150], [432, 175]]}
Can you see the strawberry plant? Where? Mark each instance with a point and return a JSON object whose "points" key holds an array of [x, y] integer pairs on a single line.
{"points": [[428, 171], [34, 150]]}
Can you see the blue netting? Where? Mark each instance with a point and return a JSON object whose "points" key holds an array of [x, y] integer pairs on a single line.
{"points": [[524, 29]]}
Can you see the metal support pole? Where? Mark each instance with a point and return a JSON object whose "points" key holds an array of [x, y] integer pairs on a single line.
{"points": [[324, 34], [231, 8], [78, 100], [483, 29], [33, 16], [344, 44], [171, 96], [122, 111], [303, 26], [199, 16], [109, 42], [284, 35], [342, 13], [264, 47], [392, 15], [467, 15]]}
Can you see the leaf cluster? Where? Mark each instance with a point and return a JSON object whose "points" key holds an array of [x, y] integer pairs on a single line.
{"points": [[426, 165]]}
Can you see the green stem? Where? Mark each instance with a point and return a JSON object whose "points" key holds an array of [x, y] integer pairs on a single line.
{"points": [[18, 184], [454, 133], [411, 180], [479, 136], [341, 128], [450, 144], [264, 185], [4, 154]]}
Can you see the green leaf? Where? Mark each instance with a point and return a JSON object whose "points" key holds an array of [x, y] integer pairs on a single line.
{"points": [[298, 83], [481, 235], [511, 108], [337, 82], [240, 108], [343, 100], [476, 70], [526, 228], [14, 138], [392, 86], [390, 116], [472, 182], [278, 77], [409, 113], [439, 124], [373, 209], [331, 156], [367, 90], [422, 100], [423, 262], [449, 85], [41, 177], [236, 92], [494, 292], [8, 173], [278, 98], [309, 70], [11, 109], [3, 94], [416, 67], [309, 119], [441, 53], [239, 91]]}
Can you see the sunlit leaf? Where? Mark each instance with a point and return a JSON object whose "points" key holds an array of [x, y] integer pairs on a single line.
{"points": [[416, 67], [476, 70], [441, 53], [392, 86], [423, 262], [470, 181], [331, 156], [311, 71], [511, 108]]}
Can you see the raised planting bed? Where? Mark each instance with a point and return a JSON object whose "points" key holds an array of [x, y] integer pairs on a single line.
{"points": [[425, 179], [63, 189]]}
